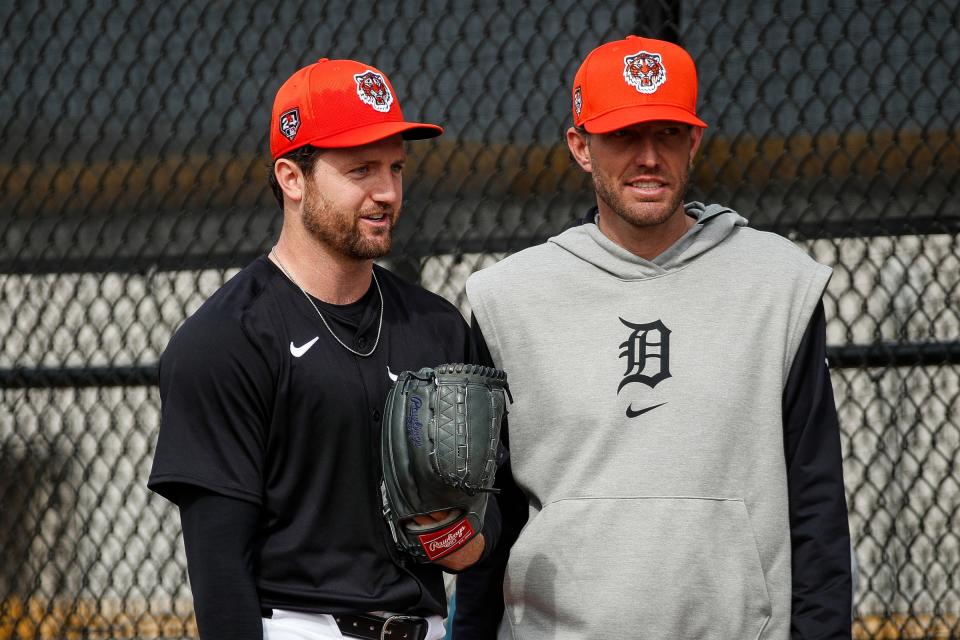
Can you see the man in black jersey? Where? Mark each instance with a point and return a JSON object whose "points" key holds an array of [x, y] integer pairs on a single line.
{"points": [[272, 391]]}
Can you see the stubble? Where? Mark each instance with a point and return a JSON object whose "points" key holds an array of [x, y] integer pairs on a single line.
{"points": [[638, 214], [340, 229]]}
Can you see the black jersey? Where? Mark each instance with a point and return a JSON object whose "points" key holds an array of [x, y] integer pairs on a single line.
{"points": [[260, 403]]}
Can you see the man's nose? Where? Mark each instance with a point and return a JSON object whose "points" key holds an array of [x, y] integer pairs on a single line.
{"points": [[388, 189], [645, 152]]}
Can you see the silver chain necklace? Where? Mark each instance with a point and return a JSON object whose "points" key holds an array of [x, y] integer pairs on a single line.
{"points": [[306, 295]]}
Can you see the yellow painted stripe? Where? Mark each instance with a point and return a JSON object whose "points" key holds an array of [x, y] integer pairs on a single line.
{"points": [[450, 167], [87, 619], [901, 626], [115, 619]]}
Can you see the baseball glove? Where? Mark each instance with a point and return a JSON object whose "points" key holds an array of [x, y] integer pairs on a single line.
{"points": [[441, 432]]}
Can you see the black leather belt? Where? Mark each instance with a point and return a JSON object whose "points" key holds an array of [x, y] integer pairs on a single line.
{"points": [[376, 628]]}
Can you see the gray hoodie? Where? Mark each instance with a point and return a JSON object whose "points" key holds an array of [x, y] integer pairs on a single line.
{"points": [[647, 430]]}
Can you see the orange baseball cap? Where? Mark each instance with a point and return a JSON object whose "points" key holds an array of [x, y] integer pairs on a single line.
{"points": [[635, 80], [338, 103]]}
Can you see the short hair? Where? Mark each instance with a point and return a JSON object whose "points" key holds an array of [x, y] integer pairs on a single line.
{"points": [[304, 157]]}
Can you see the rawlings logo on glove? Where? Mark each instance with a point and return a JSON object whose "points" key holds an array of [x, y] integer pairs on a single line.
{"points": [[439, 544], [441, 432], [414, 426]]}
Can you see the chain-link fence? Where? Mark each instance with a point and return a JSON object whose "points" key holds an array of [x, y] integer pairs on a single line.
{"points": [[132, 184]]}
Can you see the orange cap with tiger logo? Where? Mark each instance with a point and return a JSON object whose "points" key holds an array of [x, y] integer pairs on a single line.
{"points": [[338, 103], [635, 80]]}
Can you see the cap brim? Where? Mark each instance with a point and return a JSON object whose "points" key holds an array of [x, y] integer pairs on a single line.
{"points": [[376, 132], [620, 118]]}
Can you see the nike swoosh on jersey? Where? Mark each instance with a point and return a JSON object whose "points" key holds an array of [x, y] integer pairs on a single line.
{"points": [[296, 352], [633, 414], [391, 374]]}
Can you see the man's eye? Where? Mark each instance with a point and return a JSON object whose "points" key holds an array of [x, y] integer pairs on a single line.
{"points": [[360, 171], [397, 168]]}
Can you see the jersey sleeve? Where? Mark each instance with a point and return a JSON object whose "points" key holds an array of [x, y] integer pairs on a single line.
{"points": [[819, 531], [215, 392], [218, 534], [479, 595]]}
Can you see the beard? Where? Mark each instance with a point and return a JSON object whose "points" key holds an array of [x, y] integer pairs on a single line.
{"points": [[340, 229], [639, 214]]}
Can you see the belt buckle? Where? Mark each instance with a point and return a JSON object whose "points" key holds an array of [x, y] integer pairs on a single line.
{"points": [[395, 618]]}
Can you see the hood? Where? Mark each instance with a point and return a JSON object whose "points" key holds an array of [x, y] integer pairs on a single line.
{"points": [[714, 223]]}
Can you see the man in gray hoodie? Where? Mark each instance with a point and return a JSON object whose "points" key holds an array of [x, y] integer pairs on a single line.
{"points": [[675, 465]]}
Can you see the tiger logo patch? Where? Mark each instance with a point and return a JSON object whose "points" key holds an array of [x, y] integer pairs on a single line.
{"points": [[644, 71], [372, 89]]}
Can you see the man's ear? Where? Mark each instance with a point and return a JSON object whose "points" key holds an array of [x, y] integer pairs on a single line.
{"points": [[290, 178], [579, 149]]}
